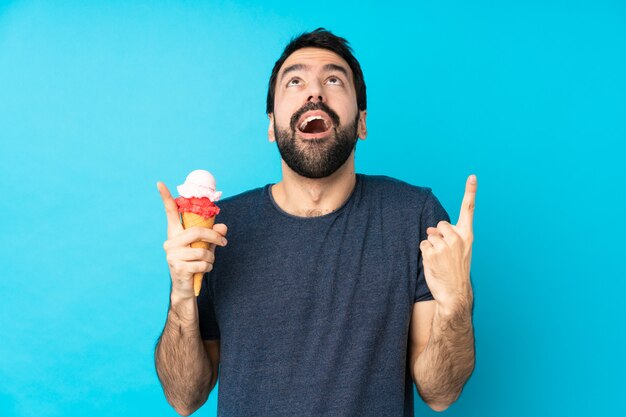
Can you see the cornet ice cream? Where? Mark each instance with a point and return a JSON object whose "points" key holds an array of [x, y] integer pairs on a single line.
{"points": [[196, 205]]}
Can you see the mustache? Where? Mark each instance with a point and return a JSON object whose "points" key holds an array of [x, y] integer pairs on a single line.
{"points": [[314, 106]]}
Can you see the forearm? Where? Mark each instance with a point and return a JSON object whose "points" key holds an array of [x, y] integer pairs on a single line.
{"points": [[181, 360], [447, 361]]}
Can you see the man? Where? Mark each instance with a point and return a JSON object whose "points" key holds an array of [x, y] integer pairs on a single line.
{"points": [[336, 291]]}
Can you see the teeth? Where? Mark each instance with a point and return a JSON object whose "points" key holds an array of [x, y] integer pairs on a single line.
{"points": [[308, 119]]}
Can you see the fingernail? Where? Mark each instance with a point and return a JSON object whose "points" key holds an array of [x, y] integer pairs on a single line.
{"points": [[224, 241], [473, 179]]}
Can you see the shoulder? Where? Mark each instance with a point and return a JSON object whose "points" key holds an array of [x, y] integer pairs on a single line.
{"points": [[239, 205], [244, 197], [404, 200], [396, 192]]}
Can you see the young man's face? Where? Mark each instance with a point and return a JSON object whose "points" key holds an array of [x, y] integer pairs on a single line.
{"points": [[316, 120]]}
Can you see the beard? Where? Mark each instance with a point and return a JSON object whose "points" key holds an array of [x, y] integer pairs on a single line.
{"points": [[316, 158]]}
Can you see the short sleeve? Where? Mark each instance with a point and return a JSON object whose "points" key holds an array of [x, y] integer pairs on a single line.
{"points": [[209, 329], [432, 213]]}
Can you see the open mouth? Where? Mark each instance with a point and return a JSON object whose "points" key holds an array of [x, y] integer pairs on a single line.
{"points": [[314, 124]]}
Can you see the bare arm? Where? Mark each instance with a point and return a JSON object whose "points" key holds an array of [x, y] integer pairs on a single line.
{"points": [[442, 336], [187, 367], [182, 361], [442, 352]]}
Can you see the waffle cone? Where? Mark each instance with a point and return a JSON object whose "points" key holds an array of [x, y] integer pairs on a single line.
{"points": [[192, 220]]}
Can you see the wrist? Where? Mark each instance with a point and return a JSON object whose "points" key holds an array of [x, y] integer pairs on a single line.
{"points": [[453, 305], [185, 295], [184, 309]]}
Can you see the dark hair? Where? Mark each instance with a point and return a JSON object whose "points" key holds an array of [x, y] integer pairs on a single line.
{"points": [[320, 38]]}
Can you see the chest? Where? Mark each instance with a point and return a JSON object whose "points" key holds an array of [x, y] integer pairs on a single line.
{"points": [[349, 270]]}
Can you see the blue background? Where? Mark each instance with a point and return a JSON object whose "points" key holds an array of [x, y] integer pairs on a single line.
{"points": [[99, 100]]}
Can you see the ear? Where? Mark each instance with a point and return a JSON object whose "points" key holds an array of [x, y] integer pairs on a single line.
{"points": [[362, 128], [270, 129]]}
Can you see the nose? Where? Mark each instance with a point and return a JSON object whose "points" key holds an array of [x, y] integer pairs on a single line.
{"points": [[315, 92], [314, 99]]}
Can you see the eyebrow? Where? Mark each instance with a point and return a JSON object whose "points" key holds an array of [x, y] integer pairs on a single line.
{"points": [[303, 67]]}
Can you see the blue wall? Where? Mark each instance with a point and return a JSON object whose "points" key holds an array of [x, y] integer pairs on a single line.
{"points": [[99, 100]]}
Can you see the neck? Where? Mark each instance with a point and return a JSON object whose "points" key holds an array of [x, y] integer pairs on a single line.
{"points": [[311, 197]]}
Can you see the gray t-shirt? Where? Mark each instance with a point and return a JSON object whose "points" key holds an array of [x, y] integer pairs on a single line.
{"points": [[313, 313]]}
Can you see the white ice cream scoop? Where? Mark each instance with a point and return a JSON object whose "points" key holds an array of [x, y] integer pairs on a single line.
{"points": [[199, 183]]}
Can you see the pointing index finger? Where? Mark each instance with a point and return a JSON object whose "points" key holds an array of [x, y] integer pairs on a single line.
{"points": [[466, 217], [171, 208]]}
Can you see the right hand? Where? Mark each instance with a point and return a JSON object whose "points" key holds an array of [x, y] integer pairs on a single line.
{"points": [[183, 260]]}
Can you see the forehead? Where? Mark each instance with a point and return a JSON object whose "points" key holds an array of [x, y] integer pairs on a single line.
{"points": [[314, 57]]}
